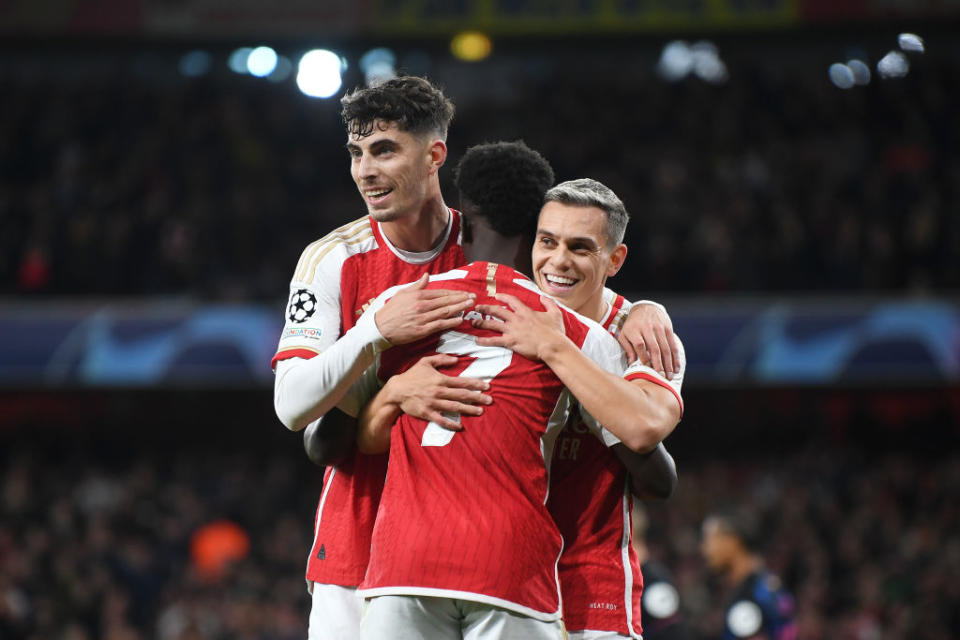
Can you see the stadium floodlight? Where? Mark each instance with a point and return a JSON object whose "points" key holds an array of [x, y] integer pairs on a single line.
{"points": [[195, 64], [471, 46], [706, 62], [319, 73], [262, 61], [238, 59], [378, 65], [282, 71], [860, 70], [910, 42], [893, 65], [841, 75], [676, 61]]}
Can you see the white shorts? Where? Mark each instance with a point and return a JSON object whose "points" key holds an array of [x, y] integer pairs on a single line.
{"points": [[596, 635], [418, 617], [335, 614]]}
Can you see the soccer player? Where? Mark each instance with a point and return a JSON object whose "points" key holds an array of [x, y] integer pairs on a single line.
{"points": [[760, 606], [396, 142], [578, 245], [401, 541]]}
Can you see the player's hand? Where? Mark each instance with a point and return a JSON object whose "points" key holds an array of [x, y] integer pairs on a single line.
{"points": [[416, 312], [426, 393], [523, 330], [647, 335]]}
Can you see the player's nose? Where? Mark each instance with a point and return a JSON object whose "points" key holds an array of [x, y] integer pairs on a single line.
{"points": [[366, 167]]}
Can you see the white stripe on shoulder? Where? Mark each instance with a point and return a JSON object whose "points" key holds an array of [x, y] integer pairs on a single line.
{"points": [[352, 234], [453, 274]]}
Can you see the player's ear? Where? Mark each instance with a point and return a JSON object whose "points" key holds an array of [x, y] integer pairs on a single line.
{"points": [[437, 155], [617, 258]]}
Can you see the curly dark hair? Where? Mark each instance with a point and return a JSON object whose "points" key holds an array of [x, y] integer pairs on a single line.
{"points": [[416, 105], [507, 182]]}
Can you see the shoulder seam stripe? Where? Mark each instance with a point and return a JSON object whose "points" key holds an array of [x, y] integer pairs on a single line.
{"points": [[340, 236], [313, 247], [343, 231], [363, 235]]}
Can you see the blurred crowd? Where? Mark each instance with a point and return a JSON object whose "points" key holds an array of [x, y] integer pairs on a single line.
{"points": [[115, 184], [106, 547], [110, 550], [868, 544]]}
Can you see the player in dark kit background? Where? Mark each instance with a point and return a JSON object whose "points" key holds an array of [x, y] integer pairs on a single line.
{"points": [[759, 607]]}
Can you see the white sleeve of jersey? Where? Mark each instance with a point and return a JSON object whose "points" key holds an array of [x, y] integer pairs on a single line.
{"points": [[603, 349], [308, 387], [637, 371]]}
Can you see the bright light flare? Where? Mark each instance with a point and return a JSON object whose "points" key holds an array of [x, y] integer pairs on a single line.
{"points": [[319, 73], [261, 62]]}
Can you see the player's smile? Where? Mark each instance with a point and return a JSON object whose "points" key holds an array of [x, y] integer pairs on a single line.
{"points": [[558, 285], [571, 261], [389, 167]]}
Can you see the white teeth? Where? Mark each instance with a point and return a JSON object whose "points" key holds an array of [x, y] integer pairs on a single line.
{"points": [[378, 193], [559, 280]]}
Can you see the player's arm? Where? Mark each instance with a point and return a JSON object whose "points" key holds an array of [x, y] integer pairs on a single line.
{"points": [[640, 413], [306, 389], [329, 440], [653, 475], [423, 392], [647, 335]]}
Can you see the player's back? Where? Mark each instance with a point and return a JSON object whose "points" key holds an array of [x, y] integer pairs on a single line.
{"points": [[463, 513]]}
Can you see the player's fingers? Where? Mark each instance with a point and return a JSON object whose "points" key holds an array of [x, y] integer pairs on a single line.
{"points": [[653, 347], [419, 283], [493, 341], [441, 294], [463, 408], [443, 324], [443, 421], [438, 360], [513, 301], [627, 347], [666, 351], [494, 310], [467, 396], [463, 382], [489, 324], [446, 311]]}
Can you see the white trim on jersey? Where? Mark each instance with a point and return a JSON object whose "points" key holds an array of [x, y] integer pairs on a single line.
{"points": [[419, 257], [625, 556], [461, 595], [316, 526]]}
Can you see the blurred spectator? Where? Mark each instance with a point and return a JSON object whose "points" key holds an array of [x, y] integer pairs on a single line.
{"points": [[775, 181]]}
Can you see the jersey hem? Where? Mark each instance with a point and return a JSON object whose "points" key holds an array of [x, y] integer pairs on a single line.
{"points": [[296, 352], [656, 380], [461, 595]]}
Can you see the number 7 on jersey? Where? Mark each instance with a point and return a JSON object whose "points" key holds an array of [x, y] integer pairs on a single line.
{"points": [[489, 363]]}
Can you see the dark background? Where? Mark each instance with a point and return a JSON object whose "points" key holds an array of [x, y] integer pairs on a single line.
{"points": [[124, 182]]}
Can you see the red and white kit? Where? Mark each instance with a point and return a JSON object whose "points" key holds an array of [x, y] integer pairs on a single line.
{"points": [[464, 514], [337, 278], [591, 503]]}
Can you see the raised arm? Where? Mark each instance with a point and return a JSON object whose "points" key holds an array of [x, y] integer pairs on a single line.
{"points": [[306, 389], [640, 412]]}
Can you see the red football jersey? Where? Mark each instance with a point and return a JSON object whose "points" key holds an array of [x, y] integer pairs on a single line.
{"points": [[337, 278], [591, 503], [464, 514]]}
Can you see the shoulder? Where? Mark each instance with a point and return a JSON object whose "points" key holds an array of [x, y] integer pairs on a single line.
{"points": [[338, 245]]}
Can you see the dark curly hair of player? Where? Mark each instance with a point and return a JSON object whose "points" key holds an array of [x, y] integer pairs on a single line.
{"points": [[507, 182], [416, 105]]}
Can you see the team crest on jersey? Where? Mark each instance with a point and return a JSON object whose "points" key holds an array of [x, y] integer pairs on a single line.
{"points": [[303, 304]]}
